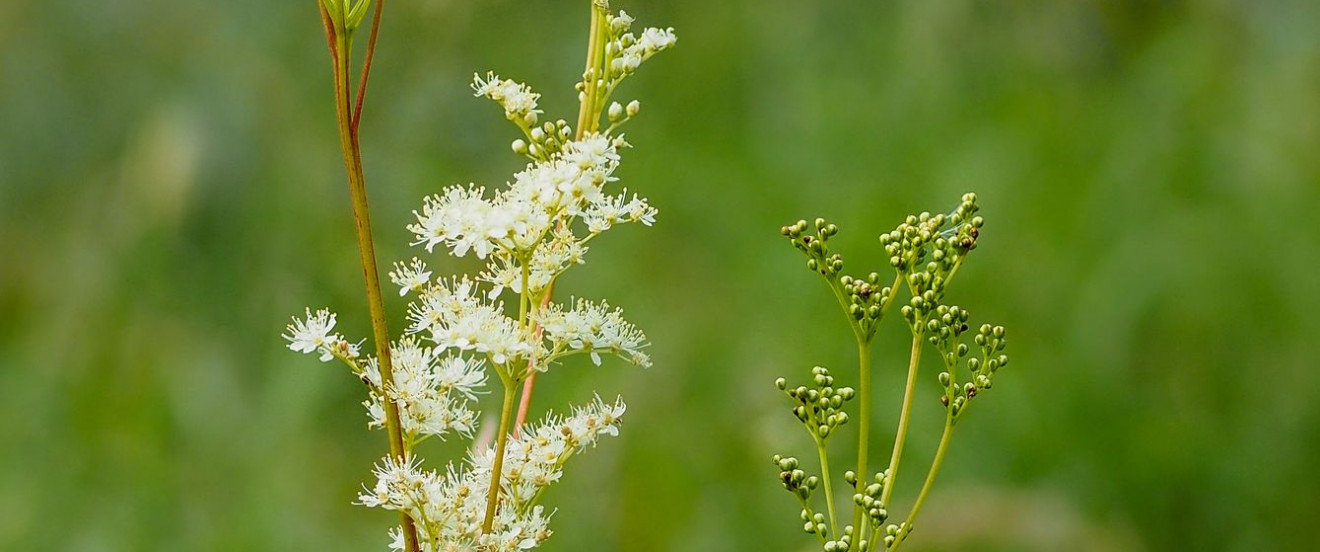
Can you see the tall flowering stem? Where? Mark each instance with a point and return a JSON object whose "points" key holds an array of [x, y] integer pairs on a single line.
{"points": [[529, 232], [341, 21], [590, 106], [925, 252]]}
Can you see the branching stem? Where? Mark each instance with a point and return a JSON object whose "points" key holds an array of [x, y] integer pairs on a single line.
{"points": [[340, 50], [930, 481], [829, 488], [904, 418]]}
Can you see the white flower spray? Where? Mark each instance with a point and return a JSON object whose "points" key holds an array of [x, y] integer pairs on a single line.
{"points": [[502, 321]]}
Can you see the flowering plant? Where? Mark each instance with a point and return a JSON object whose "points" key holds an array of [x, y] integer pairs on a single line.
{"points": [[925, 252], [463, 328]]}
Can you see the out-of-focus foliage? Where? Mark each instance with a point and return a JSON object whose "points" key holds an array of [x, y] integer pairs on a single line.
{"points": [[171, 191]]}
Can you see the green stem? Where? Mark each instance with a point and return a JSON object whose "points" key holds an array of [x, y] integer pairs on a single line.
{"points": [[493, 495], [366, 63], [829, 488], [903, 419], [592, 73], [930, 481], [863, 427], [341, 49]]}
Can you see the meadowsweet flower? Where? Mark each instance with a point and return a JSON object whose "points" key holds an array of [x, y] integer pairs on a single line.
{"points": [[517, 99], [313, 334], [548, 261], [593, 328], [654, 39], [610, 210], [453, 315], [410, 277]]}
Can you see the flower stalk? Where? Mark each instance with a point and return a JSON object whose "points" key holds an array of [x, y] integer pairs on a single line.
{"points": [[348, 116]]}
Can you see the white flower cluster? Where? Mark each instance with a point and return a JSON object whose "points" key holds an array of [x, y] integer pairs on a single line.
{"points": [[546, 195], [518, 100], [432, 391], [312, 335], [594, 328], [453, 315], [448, 507], [627, 51]]}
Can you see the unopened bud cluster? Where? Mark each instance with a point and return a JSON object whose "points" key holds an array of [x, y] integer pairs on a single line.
{"points": [[991, 340], [925, 252], [820, 406]]}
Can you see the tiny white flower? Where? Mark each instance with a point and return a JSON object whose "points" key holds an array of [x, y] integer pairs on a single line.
{"points": [[313, 334], [410, 277]]}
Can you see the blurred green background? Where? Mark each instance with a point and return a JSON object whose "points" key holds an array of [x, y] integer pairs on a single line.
{"points": [[171, 192]]}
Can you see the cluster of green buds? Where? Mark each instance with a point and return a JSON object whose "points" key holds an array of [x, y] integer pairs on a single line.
{"points": [[547, 140], [925, 252], [928, 253], [820, 407], [992, 340], [867, 300], [816, 246], [794, 479], [867, 497], [801, 485]]}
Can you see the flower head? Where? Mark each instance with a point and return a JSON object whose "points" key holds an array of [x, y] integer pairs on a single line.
{"points": [[313, 334]]}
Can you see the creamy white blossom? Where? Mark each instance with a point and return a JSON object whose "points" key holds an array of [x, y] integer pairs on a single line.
{"points": [[593, 328], [432, 391], [410, 277], [453, 315], [561, 251], [604, 214], [517, 99], [312, 334]]}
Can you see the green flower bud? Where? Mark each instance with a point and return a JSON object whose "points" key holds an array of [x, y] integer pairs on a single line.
{"points": [[634, 107]]}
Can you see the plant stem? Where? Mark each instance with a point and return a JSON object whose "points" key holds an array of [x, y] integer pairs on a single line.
{"points": [[592, 73], [903, 419], [829, 489], [930, 481], [863, 425], [493, 495], [366, 63], [341, 49]]}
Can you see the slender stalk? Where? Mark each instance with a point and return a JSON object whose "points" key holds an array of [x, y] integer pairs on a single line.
{"points": [[366, 63], [502, 439], [829, 489], [592, 73], [340, 49], [930, 481], [863, 426], [904, 417], [586, 109]]}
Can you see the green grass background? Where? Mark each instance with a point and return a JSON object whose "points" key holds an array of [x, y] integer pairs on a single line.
{"points": [[171, 192]]}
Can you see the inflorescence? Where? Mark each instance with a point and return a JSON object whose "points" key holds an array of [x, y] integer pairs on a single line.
{"points": [[925, 252], [503, 321]]}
